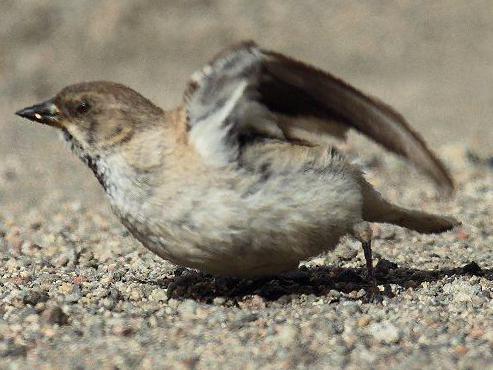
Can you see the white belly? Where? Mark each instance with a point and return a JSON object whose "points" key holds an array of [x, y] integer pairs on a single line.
{"points": [[262, 229], [285, 204]]}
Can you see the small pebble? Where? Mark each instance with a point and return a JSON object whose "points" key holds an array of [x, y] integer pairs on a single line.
{"points": [[55, 315], [385, 332], [288, 335]]}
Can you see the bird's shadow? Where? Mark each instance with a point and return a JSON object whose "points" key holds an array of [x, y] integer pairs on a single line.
{"points": [[320, 281]]}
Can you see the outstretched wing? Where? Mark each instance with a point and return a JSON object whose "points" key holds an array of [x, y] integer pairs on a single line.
{"points": [[249, 91]]}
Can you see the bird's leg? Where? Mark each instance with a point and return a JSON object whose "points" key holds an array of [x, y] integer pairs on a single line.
{"points": [[363, 233]]}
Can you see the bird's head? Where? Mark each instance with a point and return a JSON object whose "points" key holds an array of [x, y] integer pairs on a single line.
{"points": [[95, 116]]}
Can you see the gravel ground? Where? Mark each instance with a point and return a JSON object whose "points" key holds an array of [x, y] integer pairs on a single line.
{"points": [[76, 291]]}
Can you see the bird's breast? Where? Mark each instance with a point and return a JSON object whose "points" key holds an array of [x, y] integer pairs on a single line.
{"points": [[237, 222]]}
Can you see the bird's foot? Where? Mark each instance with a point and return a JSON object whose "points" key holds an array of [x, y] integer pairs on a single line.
{"points": [[363, 233]]}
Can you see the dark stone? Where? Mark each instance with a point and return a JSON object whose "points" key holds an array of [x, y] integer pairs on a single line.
{"points": [[55, 315], [472, 268], [34, 297], [384, 266], [179, 271]]}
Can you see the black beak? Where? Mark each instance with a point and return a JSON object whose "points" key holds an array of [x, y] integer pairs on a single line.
{"points": [[46, 113]]}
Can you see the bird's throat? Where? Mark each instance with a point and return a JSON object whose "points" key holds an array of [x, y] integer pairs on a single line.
{"points": [[94, 162]]}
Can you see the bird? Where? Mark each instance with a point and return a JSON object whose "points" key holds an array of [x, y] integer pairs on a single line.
{"points": [[241, 179]]}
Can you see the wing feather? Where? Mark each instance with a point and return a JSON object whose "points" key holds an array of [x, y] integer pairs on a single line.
{"points": [[290, 100]]}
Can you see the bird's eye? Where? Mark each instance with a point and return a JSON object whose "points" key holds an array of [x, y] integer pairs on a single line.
{"points": [[83, 107]]}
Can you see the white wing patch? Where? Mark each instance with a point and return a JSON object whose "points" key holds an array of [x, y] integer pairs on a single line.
{"points": [[221, 105], [210, 133]]}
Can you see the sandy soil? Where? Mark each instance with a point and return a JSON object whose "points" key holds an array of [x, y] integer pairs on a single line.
{"points": [[76, 291]]}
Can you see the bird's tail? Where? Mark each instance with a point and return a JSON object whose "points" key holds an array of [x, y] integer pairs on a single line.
{"points": [[377, 209]]}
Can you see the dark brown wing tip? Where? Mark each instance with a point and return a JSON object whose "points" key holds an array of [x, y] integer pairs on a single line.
{"points": [[435, 167], [414, 148], [450, 223]]}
